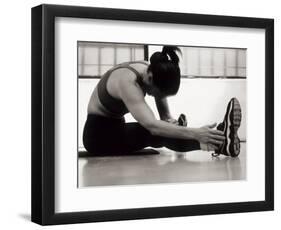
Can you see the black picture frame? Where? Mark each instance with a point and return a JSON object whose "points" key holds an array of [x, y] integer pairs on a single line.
{"points": [[43, 114]]}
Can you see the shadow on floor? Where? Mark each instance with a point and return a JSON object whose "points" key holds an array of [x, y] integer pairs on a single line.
{"points": [[25, 216]]}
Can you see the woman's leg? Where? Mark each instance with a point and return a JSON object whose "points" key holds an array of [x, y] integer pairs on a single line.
{"points": [[137, 137], [106, 136]]}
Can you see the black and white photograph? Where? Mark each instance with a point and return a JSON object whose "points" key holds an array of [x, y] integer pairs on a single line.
{"points": [[146, 114], [154, 114]]}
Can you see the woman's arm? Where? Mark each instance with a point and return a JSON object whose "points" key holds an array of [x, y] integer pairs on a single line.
{"points": [[132, 96], [164, 111], [163, 108]]}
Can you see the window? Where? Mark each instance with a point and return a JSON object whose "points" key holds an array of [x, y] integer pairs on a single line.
{"points": [[96, 58], [213, 62]]}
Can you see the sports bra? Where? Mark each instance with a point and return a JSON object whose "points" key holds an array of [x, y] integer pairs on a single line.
{"points": [[114, 105]]}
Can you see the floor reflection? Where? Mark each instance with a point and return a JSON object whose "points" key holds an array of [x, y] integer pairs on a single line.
{"points": [[167, 167]]}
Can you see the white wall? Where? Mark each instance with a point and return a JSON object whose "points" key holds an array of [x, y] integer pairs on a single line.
{"points": [[203, 101], [15, 115]]}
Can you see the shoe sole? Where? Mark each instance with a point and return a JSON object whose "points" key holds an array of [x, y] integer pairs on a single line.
{"points": [[233, 122]]}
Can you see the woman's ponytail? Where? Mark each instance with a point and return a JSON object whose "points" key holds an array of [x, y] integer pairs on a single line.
{"points": [[171, 51], [168, 54]]}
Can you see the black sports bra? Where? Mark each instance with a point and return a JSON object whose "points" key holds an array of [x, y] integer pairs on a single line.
{"points": [[113, 105]]}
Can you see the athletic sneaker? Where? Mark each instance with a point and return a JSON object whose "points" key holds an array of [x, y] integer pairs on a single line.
{"points": [[182, 120], [230, 125]]}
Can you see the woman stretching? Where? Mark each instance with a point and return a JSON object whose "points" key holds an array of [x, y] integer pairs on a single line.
{"points": [[122, 90]]}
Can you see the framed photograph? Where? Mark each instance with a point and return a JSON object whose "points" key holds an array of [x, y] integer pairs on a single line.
{"points": [[145, 114]]}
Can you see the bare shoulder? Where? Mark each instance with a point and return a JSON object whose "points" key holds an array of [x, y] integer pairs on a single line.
{"points": [[128, 79], [129, 89]]}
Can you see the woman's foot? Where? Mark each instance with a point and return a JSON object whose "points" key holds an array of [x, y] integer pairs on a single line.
{"points": [[230, 126], [182, 121]]}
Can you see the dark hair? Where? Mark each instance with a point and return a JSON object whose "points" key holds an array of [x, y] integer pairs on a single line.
{"points": [[165, 70]]}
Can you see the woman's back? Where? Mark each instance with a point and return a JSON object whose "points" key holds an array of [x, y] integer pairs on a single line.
{"points": [[105, 99]]}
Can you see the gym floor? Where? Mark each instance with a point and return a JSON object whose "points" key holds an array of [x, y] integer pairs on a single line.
{"points": [[166, 167]]}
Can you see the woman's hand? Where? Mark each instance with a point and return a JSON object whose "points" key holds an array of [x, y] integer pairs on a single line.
{"points": [[208, 135], [181, 121], [171, 120]]}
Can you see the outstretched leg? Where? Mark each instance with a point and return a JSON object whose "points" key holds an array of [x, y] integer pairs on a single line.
{"points": [[137, 137]]}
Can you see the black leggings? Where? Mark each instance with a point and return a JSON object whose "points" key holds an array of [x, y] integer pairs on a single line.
{"points": [[109, 136]]}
